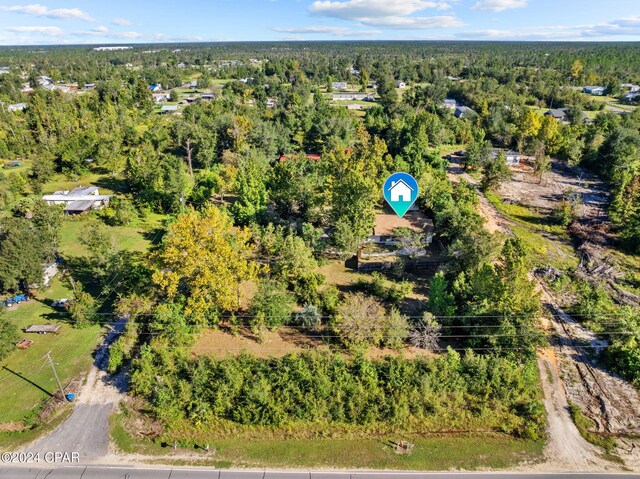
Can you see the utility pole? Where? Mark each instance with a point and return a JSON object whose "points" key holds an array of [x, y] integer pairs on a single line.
{"points": [[48, 356]]}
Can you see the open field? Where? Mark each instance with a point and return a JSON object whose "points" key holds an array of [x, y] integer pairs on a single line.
{"points": [[136, 237], [275, 344], [25, 378], [24, 168], [438, 452]]}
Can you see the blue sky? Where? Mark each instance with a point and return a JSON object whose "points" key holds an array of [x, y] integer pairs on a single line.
{"points": [[141, 21]]}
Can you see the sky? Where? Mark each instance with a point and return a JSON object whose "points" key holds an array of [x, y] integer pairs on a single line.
{"points": [[144, 21]]}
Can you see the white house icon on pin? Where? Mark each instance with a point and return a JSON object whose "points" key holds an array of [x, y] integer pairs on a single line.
{"points": [[400, 191]]}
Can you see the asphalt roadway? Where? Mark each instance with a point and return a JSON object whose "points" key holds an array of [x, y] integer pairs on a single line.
{"points": [[144, 472]]}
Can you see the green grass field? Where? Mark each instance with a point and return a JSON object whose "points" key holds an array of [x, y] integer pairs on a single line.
{"points": [[25, 378], [24, 168], [440, 452], [136, 237]]}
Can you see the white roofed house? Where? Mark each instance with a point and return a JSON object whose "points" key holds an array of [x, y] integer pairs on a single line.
{"points": [[450, 103], [79, 200], [168, 109], [160, 97], [512, 157], [339, 85], [400, 84], [352, 96], [17, 107], [595, 90]]}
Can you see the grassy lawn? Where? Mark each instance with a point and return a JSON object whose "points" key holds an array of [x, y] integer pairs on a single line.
{"points": [[25, 378], [136, 237], [220, 81], [24, 168], [548, 242], [444, 452], [12, 441], [450, 149]]}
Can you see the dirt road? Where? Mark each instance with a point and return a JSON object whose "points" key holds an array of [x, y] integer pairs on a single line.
{"points": [[569, 373], [86, 431]]}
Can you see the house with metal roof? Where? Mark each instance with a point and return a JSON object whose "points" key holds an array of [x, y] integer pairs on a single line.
{"points": [[464, 112], [79, 200], [595, 90], [168, 109]]}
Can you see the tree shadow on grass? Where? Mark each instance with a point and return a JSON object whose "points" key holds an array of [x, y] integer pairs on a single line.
{"points": [[17, 374]]}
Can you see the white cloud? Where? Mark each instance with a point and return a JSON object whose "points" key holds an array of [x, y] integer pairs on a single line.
{"points": [[37, 10], [394, 14], [97, 31], [121, 22], [414, 23], [355, 9], [335, 31], [629, 26], [46, 31], [499, 5]]}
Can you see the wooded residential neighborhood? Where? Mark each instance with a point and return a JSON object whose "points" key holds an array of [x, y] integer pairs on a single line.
{"points": [[202, 229]]}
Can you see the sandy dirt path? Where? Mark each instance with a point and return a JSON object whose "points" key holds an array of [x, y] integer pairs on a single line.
{"points": [[568, 373]]}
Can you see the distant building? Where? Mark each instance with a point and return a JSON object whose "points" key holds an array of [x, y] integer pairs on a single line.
{"points": [[400, 84], [339, 85], [79, 200], [160, 97], [155, 87], [631, 87], [353, 96], [89, 86], [182, 65], [107, 49], [354, 71], [464, 112], [450, 103], [17, 107], [168, 109], [354, 106], [208, 96], [272, 103], [561, 114], [594, 90], [45, 80], [512, 158]]}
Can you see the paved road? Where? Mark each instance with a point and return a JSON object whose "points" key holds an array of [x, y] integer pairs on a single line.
{"points": [[84, 432], [104, 472]]}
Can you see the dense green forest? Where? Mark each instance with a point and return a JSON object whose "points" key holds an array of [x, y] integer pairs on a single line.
{"points": [[251, 192]]}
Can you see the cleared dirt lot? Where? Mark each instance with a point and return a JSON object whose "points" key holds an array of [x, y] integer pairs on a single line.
{"points": [[568, 371]]}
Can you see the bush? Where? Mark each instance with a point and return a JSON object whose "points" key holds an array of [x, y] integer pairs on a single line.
{"points": [[426, 394], [8, 337], [120, 212], [272, 305], [309, 318]]}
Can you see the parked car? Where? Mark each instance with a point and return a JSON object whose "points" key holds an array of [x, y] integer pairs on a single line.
{"points": [[17, 299], [61, 303]]}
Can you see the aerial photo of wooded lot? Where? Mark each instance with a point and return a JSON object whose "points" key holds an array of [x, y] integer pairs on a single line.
{"points": [[198, 267]]}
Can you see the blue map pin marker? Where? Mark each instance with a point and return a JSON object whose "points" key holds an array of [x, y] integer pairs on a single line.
{"points": [[401, 191]]}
